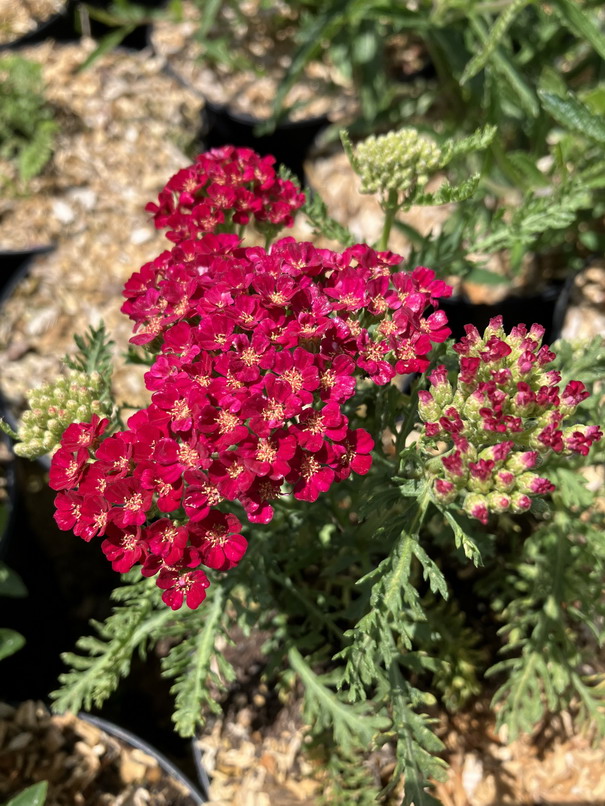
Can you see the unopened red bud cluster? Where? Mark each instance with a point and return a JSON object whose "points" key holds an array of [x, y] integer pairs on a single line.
{"points": [[501, 418]]}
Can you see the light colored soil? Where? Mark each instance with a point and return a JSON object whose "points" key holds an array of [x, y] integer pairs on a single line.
{"points": [[262, 44], [83, 765], [125, 123], [19, 17]]}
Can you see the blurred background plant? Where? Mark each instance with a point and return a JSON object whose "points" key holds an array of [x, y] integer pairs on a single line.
{"points": [[534, 71], [27, 128], [120, 22], [12, 587], [34, 795]]}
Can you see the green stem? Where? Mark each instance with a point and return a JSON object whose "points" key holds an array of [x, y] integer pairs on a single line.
{"points": [[391, 207], [323, 618], [4, 426], [422, 503], [408, 423]]}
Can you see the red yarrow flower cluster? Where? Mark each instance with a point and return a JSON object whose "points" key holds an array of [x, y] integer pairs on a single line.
{"points": [[256, 353], [224, 187], [503, 418]]}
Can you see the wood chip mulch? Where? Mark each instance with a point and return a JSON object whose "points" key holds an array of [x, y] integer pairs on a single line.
{"points": [[83, 765]]}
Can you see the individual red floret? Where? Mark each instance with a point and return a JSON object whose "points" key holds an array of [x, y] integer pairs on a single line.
{"points": [[218, 540]]}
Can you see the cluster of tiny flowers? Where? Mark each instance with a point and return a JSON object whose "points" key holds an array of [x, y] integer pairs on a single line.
{"points": [[225, 187], [503, 419], [52, 407], [396, 161], [256, 351]]}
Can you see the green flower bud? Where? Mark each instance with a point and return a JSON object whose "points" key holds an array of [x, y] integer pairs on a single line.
{"points": [[29, 450], [476, 506], [396, 161], [477, 485], [498, 502], [428, 408], [53, 407], [521, 461], [445, 491], [519, 502]]}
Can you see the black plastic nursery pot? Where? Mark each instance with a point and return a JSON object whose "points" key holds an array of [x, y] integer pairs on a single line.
{"points": [[74, 21], [546, 308], [14, 265], [198, 792], [8, 492], [136, 39], [85, 759], [56, 27], [289, 143]]}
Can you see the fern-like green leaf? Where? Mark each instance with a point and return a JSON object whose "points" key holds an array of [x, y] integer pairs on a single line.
{"points": [[476, 141], [322, 223], [94, 354], [571, 486], [189, 663], [132, 627], [463, 540], [533, 218], [417, 746], [496, 34], [353, 725], [574, 115], [431, 571], [94, 351], [509, 72], [447, 193], [579, 22], [518, 702]]}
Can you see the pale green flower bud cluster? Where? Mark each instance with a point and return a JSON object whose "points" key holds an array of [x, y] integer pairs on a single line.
{"points": [[54, 406], [397, 161]]}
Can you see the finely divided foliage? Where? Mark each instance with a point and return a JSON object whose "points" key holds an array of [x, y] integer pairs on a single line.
{"points": [[278, 447]]}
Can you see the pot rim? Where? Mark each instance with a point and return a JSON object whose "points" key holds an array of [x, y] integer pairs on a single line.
{"points": [[200, 794]]}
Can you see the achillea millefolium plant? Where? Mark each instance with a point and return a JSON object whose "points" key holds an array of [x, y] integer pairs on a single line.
{"points": [[286, 477]]}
